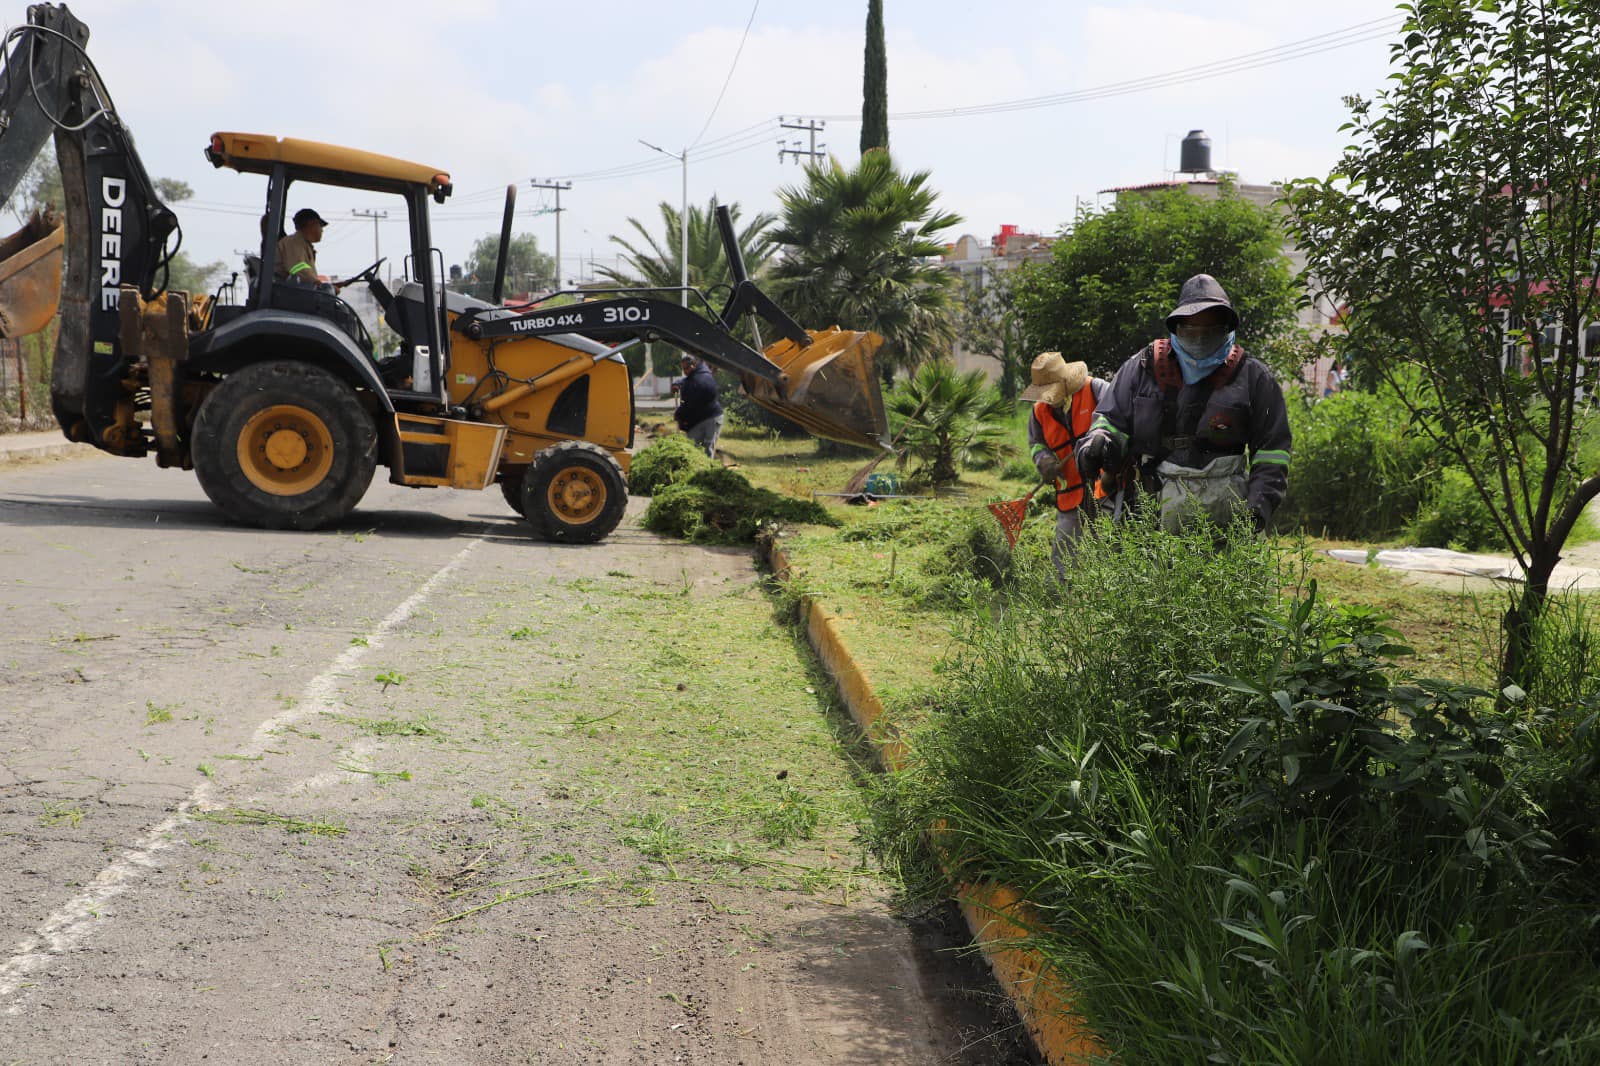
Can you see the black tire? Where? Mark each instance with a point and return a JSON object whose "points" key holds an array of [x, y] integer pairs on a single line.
{"points": [[284, 445], [511, 487], [574, 493]]}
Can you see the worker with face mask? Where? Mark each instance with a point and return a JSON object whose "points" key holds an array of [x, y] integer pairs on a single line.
{"points": [[1065, 398], [1203, 424]]}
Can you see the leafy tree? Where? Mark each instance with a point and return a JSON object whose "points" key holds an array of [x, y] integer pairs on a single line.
{"points": [[656, 262], [856, 245], [525, 265], [183, 273], [173, 190], [1112, 279], [991, 327], [1459, 230], [949, 420], [875, 84], [40, 186]]}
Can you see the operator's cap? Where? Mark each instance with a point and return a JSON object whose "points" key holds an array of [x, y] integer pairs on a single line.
{"points": [[305, 214], [1051, 370]]}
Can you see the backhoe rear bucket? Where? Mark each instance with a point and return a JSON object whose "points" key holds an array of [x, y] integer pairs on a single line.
{"points": [[30, 275], [830, 387]]}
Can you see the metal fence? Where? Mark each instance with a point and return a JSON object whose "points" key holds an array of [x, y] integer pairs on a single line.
{"points": [[25, 382]]}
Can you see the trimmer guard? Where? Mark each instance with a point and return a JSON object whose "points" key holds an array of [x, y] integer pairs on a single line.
{"points": [[829, 387]]}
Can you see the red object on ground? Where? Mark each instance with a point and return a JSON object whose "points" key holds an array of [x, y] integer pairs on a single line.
{"points": [[1010, 514]]}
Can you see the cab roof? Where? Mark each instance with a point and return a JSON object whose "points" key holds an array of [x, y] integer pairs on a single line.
{"points": [[258, 153]]}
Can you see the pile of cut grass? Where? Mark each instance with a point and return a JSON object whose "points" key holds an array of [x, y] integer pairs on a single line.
{"points": [[720, 506], [665, 461]]}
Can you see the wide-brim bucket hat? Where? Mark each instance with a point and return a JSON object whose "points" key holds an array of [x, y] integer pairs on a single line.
{"points": [[1201, 293]]}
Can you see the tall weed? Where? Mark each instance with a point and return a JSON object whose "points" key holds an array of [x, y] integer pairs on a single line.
{"points": [[1255, 840], [1360, 469]]}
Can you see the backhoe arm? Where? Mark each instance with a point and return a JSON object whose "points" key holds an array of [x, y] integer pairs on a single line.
{"points": [[117, 228]]}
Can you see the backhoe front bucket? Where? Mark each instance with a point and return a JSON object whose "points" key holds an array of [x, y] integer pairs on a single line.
{"points": [[30, 275], [829, 388]]}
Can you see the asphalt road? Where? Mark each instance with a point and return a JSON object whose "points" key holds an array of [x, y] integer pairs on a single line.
{"points": [[289, 797]]}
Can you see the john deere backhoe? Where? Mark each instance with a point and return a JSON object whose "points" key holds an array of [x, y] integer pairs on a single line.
{"points": [[280, 400]]}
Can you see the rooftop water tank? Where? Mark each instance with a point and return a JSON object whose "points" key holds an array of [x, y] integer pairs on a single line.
{"points": [[1195, 156]]}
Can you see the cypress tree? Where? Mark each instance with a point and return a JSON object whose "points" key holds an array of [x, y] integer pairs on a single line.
{"points": [[875, 84]]}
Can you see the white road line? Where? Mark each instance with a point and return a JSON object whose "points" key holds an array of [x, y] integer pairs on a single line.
{"points": [[73, 921]]}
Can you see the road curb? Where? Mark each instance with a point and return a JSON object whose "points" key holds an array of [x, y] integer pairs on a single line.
{"points": [[45, 451], [999, 919]]}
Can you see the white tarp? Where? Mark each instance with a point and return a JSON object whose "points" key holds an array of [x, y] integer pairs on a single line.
{"points": [[1444, 561]]}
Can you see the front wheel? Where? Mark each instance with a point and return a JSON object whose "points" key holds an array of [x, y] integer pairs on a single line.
{"points": [[574, 493], [511, 487], [284, 445]]}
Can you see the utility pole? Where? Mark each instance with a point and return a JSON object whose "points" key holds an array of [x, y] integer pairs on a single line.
{"points": [[813, 127], [376, 216], [556, 186], [683, 217]]}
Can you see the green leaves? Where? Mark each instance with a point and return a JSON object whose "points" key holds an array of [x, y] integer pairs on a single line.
{"points": [[949, 419], [856, 250], [1107, 289]]}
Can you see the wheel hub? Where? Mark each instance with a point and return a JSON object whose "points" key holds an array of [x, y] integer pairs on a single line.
{"points": [[285, 450], [577, 494]]}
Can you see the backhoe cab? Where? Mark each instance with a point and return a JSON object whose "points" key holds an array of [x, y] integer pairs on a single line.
{"points": [[282, 400]]}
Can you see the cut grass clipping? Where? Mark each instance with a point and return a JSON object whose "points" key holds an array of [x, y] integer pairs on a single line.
{"points": [[666, 461], [719, 506]]}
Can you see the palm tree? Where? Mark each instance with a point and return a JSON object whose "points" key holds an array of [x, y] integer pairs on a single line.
{"points": [[949, 420], [856, 245], [654, 262]]}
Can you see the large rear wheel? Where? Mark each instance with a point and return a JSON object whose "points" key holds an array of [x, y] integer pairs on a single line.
{"points": [[284, 445], [574, 493]]}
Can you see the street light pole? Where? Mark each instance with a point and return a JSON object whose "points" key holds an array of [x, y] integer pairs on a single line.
{"points": [[683, 220]]}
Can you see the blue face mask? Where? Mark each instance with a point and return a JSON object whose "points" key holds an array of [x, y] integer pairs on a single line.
{"points": [[1195, 367]]}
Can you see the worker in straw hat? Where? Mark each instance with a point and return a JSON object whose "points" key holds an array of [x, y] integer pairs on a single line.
{"points": [[1064, 400]]}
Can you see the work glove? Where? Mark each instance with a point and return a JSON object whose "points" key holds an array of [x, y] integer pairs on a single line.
{"points": [[1048, 463], [1091, 455], [1259, 518]]}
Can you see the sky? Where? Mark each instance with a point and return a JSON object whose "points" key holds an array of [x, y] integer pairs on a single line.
{"points": [[496, 92]]}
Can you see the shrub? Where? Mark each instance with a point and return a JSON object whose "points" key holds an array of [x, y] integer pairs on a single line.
{"points": [[973, 547], [1359, 468], [1020, 468], [666, 460], [719, 506], [948, 420], [1255, 839], [1455, 516]]}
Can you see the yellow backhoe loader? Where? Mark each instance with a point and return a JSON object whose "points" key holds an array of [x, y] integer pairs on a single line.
{"points": [[281, 400]]}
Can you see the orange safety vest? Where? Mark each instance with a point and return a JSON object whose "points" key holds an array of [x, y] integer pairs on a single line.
{"points": [[1059, 439]]}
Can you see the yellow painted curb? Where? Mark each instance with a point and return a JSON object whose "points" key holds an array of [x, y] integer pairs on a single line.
{"points": [[999, 918]]}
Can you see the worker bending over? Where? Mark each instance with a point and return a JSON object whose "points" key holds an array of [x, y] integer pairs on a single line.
{"points": [[1065, 398]]}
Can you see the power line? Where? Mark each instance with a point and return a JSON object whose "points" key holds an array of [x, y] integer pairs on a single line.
{"points": [[731, 68], [760, 133], [1323, 42]]}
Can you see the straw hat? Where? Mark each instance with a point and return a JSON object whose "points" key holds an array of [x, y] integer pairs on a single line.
{"points": [[1053, 379]]}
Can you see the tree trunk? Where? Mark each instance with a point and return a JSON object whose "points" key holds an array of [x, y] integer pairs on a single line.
{"points": [[1522, 618]]}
